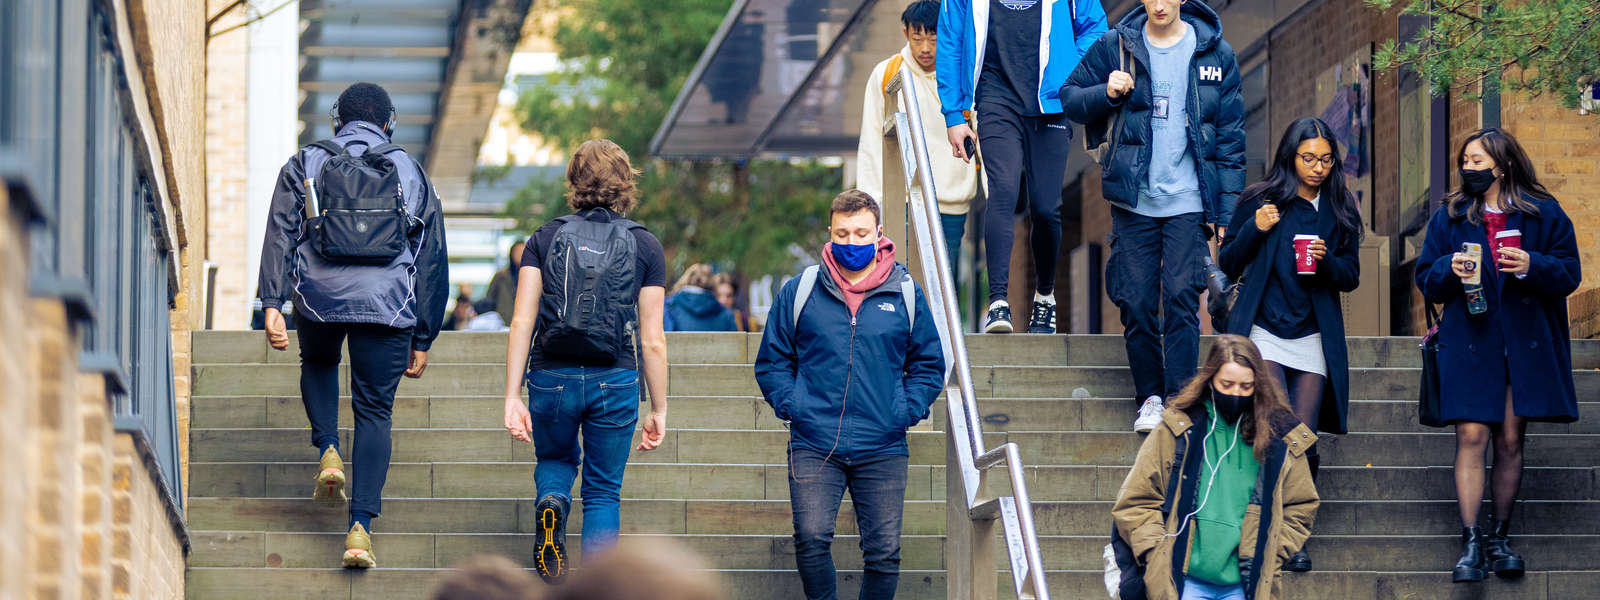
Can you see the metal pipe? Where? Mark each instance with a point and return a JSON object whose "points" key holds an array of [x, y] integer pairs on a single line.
{"points": [[931, 242]]}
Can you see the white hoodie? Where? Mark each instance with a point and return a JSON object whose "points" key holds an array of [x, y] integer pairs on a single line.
{"points": [[954, 180]]}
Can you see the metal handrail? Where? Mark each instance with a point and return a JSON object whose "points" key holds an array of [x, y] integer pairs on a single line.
{"points": [[969, 462]]}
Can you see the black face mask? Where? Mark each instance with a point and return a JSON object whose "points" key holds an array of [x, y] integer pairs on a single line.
{"points": [[1230, 408], [1476, 182]]}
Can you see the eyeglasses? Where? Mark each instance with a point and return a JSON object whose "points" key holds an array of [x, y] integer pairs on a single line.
{"points": [[1308, 159]]}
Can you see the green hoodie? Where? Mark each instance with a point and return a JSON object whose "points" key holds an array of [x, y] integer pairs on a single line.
{"points": [[1214, 555]]}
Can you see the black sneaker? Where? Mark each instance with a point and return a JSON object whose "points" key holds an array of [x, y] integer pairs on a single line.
{"points": [[550, 559], [999, 318], [1299, 563], [1043, 319]]}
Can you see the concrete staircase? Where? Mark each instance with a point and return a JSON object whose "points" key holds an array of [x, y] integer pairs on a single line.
{"points": [[460, 486]]}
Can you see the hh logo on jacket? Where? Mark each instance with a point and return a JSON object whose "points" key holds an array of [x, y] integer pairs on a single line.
{"points": [[885, 307], [1210, 73]]}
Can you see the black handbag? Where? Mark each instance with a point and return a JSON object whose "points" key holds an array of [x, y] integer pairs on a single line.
{"points": [[1223, 293], [1428, 396]]}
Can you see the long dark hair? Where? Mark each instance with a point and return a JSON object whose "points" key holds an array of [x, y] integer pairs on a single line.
{"points": [[1270, 401], [1282, 184], [1517, 179]]}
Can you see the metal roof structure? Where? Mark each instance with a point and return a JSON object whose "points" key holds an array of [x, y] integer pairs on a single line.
{"points": [[785, 77], [442, 62], [402, 45]]}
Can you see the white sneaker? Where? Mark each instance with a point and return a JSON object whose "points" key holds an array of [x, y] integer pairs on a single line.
{"points": [[1149, 415]]}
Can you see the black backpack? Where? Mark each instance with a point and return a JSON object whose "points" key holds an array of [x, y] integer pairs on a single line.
{"points": [[357, 206], [1122, 568], [589, 306]]}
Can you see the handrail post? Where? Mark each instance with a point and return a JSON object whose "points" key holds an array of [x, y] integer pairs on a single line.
{"points": [[971, 513]]}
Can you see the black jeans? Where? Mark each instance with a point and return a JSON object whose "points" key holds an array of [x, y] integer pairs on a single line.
{"points": [[1162, 331], [1017, 150], [378, 357], [877, 487]]}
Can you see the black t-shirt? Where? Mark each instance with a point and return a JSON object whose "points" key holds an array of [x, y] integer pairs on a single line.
{"points": [[1285, 304], [651, 271], [1010, 74]]}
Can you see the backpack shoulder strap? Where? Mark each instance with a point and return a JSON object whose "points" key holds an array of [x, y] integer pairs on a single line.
{"points": [[381, 149], [890, 70], [808, 282], [908, 293], [329, 146]]}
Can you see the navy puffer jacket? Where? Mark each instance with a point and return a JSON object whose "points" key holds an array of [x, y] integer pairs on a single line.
{"points": [[1216, 118]]}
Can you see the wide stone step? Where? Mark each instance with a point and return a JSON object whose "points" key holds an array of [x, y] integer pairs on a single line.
{"points": [[918, 552], [739, 380], [205, 583], [213, 347], [770, 482], [1086, 518], [926, 447]]}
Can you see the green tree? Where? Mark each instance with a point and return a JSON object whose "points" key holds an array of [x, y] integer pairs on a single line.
{"points": [[1540, 46], [624, 63]]}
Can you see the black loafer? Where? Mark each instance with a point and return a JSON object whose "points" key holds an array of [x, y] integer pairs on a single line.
{"points": [[1299, 563]]}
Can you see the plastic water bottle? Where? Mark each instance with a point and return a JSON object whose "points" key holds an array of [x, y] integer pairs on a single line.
{"points": [[1473, 285]]}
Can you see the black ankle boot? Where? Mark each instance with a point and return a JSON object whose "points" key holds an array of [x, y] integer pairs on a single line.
{"points": [[1505, 563], [1299, 563], [1470, 567]]}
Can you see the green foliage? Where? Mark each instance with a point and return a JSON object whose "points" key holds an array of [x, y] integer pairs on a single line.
{"points": [[1554, 45], [625, 61]]}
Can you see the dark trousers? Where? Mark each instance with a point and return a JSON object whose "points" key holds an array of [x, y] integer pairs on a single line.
{"points": [[1019, 150], [877, 487], [955, 226], [1162, 331], [378, 356]]}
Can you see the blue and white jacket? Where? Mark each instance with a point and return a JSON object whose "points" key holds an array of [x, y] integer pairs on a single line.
{"points": [[963, 36]]}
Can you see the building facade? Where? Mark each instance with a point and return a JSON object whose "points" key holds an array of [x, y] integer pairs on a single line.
{"points": [[101, 113]]}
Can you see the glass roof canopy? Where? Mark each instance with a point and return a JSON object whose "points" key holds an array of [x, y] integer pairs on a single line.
{"points": [[402, 45], [781, 77]]}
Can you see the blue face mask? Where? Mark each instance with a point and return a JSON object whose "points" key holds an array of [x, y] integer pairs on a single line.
{"points": [[854, 257]]}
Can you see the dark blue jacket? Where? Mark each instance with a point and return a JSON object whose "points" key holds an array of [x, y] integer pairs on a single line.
{"points": [[876, 371], [694, 309], [1523, 336], [1247, 256], [1216, 111]]}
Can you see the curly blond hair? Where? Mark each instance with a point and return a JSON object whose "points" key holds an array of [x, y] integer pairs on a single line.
{"points": [[600, 176]]}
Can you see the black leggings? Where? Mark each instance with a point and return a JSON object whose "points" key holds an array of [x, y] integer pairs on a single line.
{"points": [[1305, 397]]}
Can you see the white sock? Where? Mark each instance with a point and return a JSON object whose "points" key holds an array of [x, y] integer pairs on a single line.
{"points": [[1045, 298], [998, 303]]}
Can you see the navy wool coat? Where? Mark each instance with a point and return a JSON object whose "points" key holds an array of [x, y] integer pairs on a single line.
{"points": [[1250, 252], [1522, 341]]}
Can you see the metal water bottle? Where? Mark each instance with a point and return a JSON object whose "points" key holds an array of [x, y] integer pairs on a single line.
{"points": [[1473, 285]]}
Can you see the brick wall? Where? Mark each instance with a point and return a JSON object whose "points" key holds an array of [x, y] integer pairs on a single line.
{"points": [[1565, 149], [16, 408], [83, 516], [227, 169]]}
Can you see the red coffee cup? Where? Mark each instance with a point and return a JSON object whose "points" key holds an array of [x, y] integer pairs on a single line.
{"points": [[1304, 262], [1510, 238]]}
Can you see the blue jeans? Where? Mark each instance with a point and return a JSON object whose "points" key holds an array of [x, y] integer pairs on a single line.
{"points": [[955, 226], [877, 487], [1195, 589], [604, 403]]}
